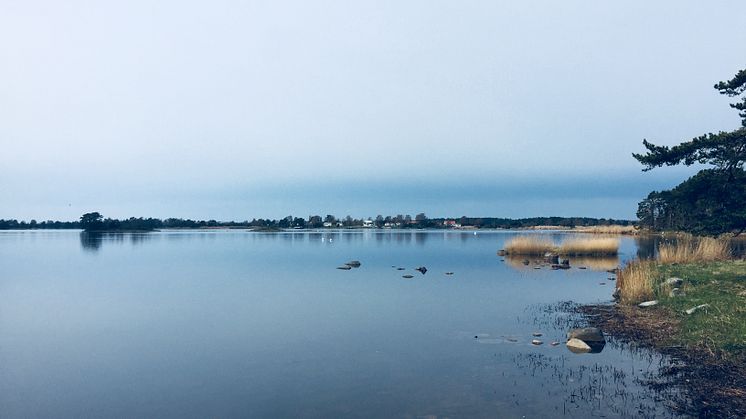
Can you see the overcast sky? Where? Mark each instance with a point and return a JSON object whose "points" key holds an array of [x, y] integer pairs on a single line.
{"points": [[238, 109]]}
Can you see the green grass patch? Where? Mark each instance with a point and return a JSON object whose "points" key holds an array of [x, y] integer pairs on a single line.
{"points": [[722, 326]]}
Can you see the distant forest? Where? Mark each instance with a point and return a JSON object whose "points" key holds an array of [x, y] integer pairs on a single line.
{"points": [[96, 222]]}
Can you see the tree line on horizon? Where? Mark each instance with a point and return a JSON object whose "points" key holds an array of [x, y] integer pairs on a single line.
{"points": [[94, 221]]}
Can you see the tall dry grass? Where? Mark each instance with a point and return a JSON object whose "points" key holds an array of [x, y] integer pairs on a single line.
{"points": [[636, 281], [688, 249], [610, 229], [594, 246], [537, 245], [529, 245]]}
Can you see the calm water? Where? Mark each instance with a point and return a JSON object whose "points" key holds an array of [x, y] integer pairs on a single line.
{"points": [[232, 323]]}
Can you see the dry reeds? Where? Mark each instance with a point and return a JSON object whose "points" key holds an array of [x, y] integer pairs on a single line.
{"points": [[595, 246], [610, 229], [635, 282], [537, 245], [529, 245], [688, 249]]}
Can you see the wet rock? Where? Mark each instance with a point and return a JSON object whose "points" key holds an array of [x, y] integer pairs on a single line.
{"points": [[551, 258], [353, 263], [565, 262], [674, 282], [407, 276], [554, 343], [399, 269], [697, 308], [582, 267], [536, 342], [537, 267], [449, 273], [537, 334], [422, 269], [648, 303], [587, 334], [513, 340], [344, 267], [525, 262], [676, 292], [578, 346], [611, 278], [602, 283]]}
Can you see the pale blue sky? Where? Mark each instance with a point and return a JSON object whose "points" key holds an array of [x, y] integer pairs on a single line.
{"points": [[236, 109]]}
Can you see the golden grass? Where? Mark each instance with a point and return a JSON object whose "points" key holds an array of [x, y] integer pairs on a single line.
{"points": [[610, 229], [529, 245], [689, 249], [595, 246], [538, 245], [635, 282]]}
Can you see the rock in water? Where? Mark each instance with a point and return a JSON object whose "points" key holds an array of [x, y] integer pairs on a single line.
{"points": [[699, 307], [407, 276], [675, 282], [648, 303], [526, 262], [536, 334], [344, 267], [536, 342], [422, 269], [587, 334], [554, 343], [353, 263], [578, 346]]}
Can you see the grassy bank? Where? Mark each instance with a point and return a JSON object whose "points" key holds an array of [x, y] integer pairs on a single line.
{"points": [[711, 340]]}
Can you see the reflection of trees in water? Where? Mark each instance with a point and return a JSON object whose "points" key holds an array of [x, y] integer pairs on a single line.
{"points": [[92, 241]]}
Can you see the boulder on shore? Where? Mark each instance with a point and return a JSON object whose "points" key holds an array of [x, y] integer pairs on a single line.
{"points": [[674, 282], [694, 309], [648, 303], [676, 292]]}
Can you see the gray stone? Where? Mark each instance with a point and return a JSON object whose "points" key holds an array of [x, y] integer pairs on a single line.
{"points": [[676, 292], [536, 342], [674, 282], [693, 309], [578, 346], [344, 267], [648, 303], [587, 334]]}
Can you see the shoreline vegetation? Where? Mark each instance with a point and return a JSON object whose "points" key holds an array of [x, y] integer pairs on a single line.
{"points": [[688, 303], [540, 246], [94, 221]]}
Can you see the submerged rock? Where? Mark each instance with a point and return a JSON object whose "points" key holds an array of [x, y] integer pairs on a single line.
{"points": [[537, 334], [407, 276], [449, 273], [648, 303], [399, 269], [694, 309], [344, 267], [554, 343], [353, 263]]}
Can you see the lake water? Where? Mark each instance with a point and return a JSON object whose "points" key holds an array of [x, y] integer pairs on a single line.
{"points": [[240, 324]]}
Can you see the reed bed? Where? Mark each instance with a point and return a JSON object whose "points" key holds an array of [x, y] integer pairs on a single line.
{"points": [[688, 249], [537, 245], [529, 246], [595, 246], [636, 281], [610, 229]]}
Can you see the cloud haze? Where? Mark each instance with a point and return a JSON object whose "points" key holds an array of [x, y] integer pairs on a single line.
{"points": [[240, 109]]}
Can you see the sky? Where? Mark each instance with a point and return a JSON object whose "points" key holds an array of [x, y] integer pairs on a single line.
{"points": [[232, 110]]}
